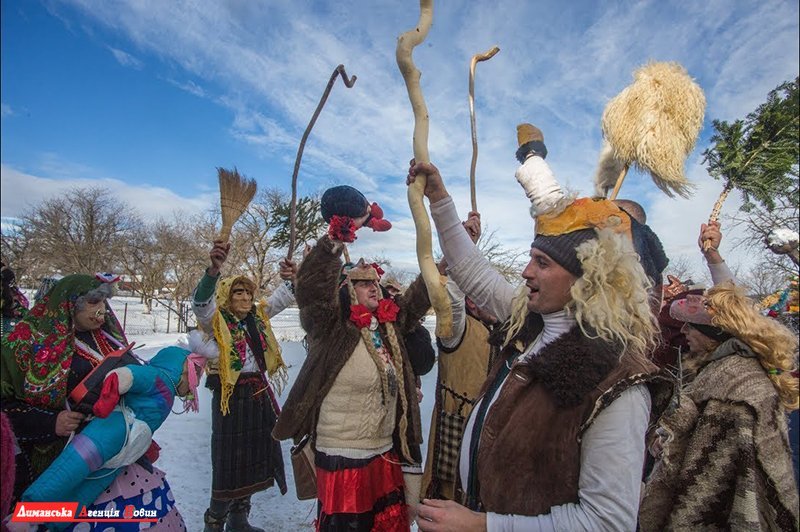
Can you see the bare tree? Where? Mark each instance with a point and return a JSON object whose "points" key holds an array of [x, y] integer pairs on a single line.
{"points": [[260, 236], [83, 231], [681, 268], [185, 256], [765, 278], [508, 262]]}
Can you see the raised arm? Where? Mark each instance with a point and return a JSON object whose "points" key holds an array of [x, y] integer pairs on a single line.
{"points": [[469, 269], [712, 233], [203, 303], [414, 303], [283, 296], [317, 287]]}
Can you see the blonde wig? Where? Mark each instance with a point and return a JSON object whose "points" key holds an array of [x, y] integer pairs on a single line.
{"points": [[611, 297], [776, 346], [519, 313], [396, 359]]}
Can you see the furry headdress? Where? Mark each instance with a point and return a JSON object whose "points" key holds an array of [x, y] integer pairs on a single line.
{"points": [[654, 124]]}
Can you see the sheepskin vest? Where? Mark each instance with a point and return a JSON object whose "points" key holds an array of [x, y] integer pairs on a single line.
{"points": [[530, 444]]}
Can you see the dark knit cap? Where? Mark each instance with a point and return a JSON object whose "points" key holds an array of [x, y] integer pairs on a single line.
{"points": [[651, 252], [561, 248], [343, 200]]}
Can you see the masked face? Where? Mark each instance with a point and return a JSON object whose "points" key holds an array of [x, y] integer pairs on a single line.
{"points": [[241, 300], [548, 282], [698, 342], [91, 317], [367, 293]]}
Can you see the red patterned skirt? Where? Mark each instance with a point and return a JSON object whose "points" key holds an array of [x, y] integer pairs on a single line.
{"points": [[360, 494]]}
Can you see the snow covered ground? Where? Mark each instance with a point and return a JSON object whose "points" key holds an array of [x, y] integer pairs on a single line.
{"points": [[185, 441]]}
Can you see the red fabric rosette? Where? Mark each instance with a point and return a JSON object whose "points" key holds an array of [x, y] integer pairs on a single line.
{"points": [[342, 228], [360, 315], [387, 310]]}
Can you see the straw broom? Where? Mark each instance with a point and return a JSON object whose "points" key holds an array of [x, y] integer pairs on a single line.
{"points": [[235, 194], [433, 281], [653, 124], [475, 60]]}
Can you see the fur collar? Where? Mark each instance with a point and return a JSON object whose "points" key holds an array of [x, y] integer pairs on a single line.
{"points": [[572, 365]]}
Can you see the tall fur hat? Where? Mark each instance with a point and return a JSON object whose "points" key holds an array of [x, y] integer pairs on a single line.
{"points": [[562, 222]]}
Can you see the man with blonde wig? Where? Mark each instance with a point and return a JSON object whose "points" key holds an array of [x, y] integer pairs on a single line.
{"points": [[556, 440]]}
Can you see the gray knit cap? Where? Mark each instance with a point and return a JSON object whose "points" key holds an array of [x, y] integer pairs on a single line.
{"points": [[561, 248]]}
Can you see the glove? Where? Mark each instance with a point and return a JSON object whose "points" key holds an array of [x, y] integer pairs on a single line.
{"points": [[109, 396], [376, 221]]}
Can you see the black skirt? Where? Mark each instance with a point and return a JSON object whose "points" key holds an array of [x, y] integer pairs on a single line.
{"points": [[245, 458]]}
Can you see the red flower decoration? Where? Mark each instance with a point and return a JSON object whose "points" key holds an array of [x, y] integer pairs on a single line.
{"points": [[342, 228], [360, 315], [37, 311], [378, 269], [387, 310], [21, 332]]}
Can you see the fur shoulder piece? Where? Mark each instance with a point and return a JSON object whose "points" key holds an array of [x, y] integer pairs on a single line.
{"points": [[573, 365]]}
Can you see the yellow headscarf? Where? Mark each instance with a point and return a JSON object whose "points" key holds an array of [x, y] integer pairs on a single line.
{"points": [[228, 375]]}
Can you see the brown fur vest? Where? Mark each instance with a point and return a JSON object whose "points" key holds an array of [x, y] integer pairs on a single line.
{"points": [[332, 338], [530, 443]]}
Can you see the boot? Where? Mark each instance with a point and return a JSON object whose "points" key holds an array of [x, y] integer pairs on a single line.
{"points": [[237, 517], [214, 518]]}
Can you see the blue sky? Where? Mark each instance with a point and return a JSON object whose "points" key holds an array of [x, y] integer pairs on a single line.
{"points": [[149, 97]]}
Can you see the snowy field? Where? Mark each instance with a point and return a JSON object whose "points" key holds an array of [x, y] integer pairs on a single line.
{"points": [[185, 439]]}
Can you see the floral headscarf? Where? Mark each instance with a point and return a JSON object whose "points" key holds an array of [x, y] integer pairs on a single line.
{"points": [[37, 354], [230, 334]]}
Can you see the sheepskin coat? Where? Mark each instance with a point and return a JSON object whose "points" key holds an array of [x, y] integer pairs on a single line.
{"points": [[332, 339]]}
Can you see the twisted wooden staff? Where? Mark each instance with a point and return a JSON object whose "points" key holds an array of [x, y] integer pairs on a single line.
{"points": [[475, 60], [433, 281], [293, 207]]}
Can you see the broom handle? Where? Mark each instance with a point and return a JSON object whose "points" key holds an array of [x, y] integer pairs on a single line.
{"points": [[618, 184], [475, 60], [716, 210], [293, 206], [346, 254]]}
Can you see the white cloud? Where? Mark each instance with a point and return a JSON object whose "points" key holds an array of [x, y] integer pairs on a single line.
{"points": [[22, 191], [6, 110], [125, 59], [189, 86], [559, 64]]}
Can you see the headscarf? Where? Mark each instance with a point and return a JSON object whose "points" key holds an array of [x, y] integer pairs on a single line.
{"points": [[37, 354], [231, 335]]}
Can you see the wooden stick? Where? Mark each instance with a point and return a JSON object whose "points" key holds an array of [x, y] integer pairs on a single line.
{"points": [[717, 209], [475, 60], [436, 291], [293, 206], [618, 185]]}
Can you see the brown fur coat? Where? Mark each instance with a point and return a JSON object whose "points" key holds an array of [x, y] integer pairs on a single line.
{"points": [[332, 337]]}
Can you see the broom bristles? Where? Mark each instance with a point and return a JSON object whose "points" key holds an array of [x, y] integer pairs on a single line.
{"points": [[235, 194], [654, 124]]}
